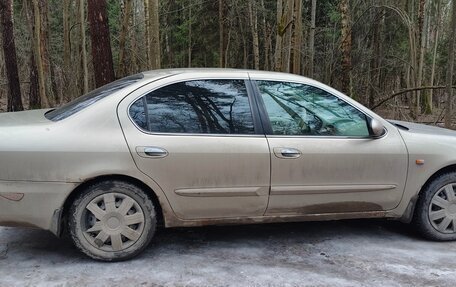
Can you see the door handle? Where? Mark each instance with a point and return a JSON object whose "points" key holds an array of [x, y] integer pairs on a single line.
{"points": [[287, 153], [153, 152]]}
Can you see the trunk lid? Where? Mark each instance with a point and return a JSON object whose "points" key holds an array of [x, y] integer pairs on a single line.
{"points": [[33, 117]]}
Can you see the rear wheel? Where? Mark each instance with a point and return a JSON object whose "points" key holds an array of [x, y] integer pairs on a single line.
{"points": [[435, 214], [112, 221]]}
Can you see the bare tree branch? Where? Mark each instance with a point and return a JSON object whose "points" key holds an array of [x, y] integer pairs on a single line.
{"points": [[384, 100]]}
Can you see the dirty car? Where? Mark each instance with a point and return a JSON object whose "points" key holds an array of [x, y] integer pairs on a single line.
{"points": [[193, 147]]}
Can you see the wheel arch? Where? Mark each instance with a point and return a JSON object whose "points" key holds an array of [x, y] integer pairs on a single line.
{"points": [[124, 178], [410, 212]]}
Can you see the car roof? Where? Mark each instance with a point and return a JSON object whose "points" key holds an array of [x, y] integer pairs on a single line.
{"points": [[170, 72]]}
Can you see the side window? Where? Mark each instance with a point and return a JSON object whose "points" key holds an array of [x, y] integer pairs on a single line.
{"points": [[201, 107], [298, 109], [138, 113]]}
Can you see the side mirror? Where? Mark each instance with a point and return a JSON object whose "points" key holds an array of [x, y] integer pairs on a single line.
{"points": [[376, 128]]}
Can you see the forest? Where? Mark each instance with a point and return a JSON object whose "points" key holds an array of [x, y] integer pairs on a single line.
{"points": [[395, 57]]}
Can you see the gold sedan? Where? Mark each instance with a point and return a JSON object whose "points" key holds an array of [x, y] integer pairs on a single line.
{"points": [[192, 147]]}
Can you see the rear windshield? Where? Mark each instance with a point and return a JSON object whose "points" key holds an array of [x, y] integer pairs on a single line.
{"points": [[89, 99]]}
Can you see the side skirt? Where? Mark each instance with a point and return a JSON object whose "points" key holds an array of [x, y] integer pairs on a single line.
{"points": [[169, 222]]}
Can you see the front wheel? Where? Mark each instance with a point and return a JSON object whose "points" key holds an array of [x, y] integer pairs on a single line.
{"points": [[435, 215], [112, 221]]}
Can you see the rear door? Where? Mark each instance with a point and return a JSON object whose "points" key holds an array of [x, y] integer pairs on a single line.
{"points": [[200, 140]]}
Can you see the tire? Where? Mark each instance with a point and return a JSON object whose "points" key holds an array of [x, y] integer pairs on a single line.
{"points": [[435, 213], [112, 221]]}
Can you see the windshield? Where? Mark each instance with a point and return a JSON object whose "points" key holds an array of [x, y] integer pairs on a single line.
{"points": [[89, 99]]}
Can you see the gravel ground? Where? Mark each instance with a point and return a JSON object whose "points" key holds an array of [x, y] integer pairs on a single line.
{"points": [[347, 253]]}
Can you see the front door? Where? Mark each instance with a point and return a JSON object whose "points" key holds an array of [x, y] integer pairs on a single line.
{"points": [[198, 140], [323, 158]]}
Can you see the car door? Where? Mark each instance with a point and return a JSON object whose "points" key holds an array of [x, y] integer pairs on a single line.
{"points": [[322, 155], [200, 140]]}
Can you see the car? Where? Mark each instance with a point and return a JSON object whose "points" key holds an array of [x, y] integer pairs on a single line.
{"points": [[194, 147]]}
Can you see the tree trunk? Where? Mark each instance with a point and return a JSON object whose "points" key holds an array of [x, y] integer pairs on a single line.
{"points": [[154, 33], [346, 47], [253, 19], [52, 91], [312, 38], [190, 40], [422, 42], [34, 89], [169, 51], [3, 85], [123, 38], [429, 98], [297, 38], [38, 51], [84, 61], [412, 67], [134, 45], [266, 36], [221, 33], [375, 60], [244, 42], [68, 82], [66, 35], [450, 67], [228, 45], [146, 31], [280, 30], [288, 33], [9, 50], [101, 43]]}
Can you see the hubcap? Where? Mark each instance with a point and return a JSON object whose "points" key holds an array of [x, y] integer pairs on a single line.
{"points": [[113, 222], [442, 211]]}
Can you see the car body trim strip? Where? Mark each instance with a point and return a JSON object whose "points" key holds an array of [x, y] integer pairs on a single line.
{"points": [[220, 192], [322, 189]]}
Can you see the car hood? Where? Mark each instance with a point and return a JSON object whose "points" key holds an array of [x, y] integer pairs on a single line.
{"points": [[422, 129], [14, 119]]}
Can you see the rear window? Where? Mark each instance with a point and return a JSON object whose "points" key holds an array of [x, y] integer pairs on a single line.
{"points": [[94, 96], [196, 107]]}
